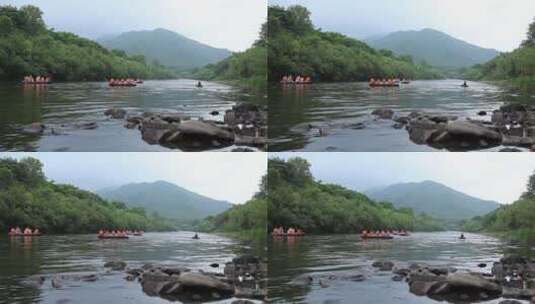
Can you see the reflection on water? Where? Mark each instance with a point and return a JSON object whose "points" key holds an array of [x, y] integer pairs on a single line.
{"points": [[290, 259], [339, 107], [21, 258], [70, 103]]}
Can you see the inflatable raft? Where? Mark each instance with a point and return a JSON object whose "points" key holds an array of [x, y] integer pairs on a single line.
{"points": [[22, 234], [36, 83], [385, 85], [113, 237], [389, 237], [123, 85], [286, 234]]}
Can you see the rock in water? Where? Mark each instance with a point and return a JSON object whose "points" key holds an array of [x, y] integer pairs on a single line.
{"points": [[56, 282], [472, 281], [116, 113], [383, 113], [153, 282], [34, 128], [471, 130], [115, 265], [201, 281], [383, 265]]}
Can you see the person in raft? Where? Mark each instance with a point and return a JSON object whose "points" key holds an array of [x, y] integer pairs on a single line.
{"points": [[38, 79], [196, 237], [464, 84], [199, 84]]}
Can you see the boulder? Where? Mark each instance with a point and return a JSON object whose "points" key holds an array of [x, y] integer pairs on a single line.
{"points": [[383, 113], [174, 270], [115, 265], [87, 125], [116, 113], [34, 128], [383, 265], [153, 282], [421, 130], [473, 282], [518, 293], [202, 281], [471, 130]]}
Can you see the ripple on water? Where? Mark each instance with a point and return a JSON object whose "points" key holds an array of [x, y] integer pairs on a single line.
{"points": [[70, 103], [341, 255], [337, 104], [83, 254]]}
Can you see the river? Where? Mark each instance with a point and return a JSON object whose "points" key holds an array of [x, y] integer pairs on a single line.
{"points": [[338, 108], [64, 104], [21, 258], [326, 255]]}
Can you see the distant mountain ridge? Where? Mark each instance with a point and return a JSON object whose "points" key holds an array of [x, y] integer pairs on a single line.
{"points": [[434, 199], [434, 47], [168, 199], [167, 47]]}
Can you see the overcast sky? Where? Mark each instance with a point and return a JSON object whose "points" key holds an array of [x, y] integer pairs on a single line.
{"points": [[234, 177], [493, 176], [230, 24], [498, 24]]}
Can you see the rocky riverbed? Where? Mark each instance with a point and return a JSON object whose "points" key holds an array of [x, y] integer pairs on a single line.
{"points": [[512, 278], [245, 125], [243, 278], [511, 125]]}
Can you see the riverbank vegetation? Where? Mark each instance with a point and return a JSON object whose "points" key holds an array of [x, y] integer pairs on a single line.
{"points": [[247, 69], [516, 220], [27, 47], [296, 199], [516, 68], [27, 198], [248, 220], [296, 47]]}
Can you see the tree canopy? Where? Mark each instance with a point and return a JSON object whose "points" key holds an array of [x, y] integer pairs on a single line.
{"points": [[28, 47], [296, 47], [295, 199], [519, 215], [27, 198]]}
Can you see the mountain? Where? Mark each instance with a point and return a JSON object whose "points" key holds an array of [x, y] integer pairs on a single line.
{"points": [[434, 199], [434, 47], [167, 199], [168, 48]]}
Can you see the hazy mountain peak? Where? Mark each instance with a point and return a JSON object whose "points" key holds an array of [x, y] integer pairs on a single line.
{"points": [[167, 47], [434, 47], [168, 199], [433, 198]]}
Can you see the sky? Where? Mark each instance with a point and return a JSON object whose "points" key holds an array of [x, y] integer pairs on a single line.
{"points": [[234, 177], [230, 24], [494, 176], [498, 24]]}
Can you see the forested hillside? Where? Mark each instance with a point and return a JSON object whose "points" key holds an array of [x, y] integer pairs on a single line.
{"points": [[517, 68], [249, 219], [27, 198], [248, 68], [28, 47], [296, 47], [516, 219], [296, 200]]}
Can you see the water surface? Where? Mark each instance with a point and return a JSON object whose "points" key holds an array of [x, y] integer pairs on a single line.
{"points": [[290, 259], [82, 102], [21, 258], [340, 107]]}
